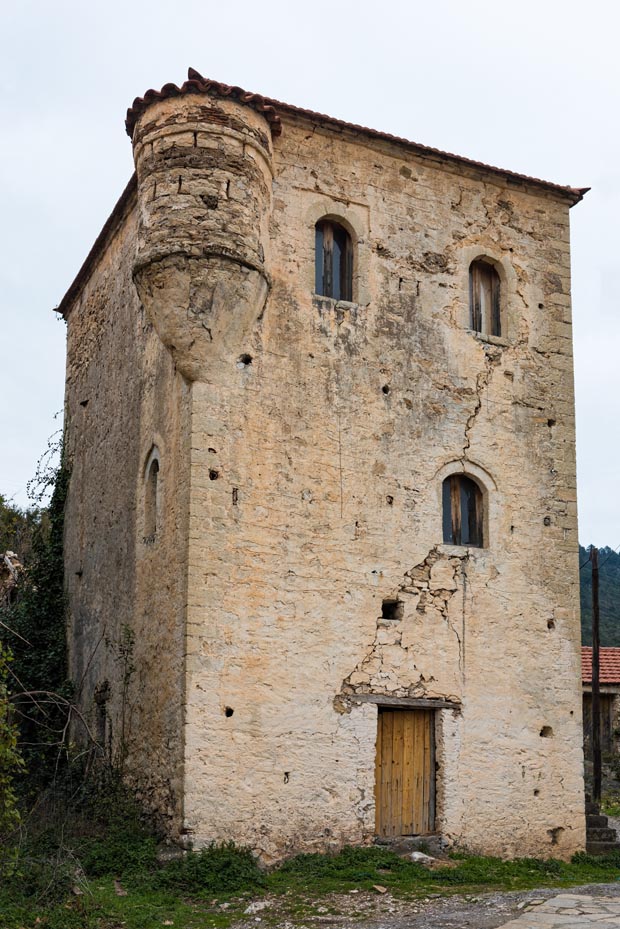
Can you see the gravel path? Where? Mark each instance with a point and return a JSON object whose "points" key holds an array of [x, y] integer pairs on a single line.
{"points": [[533, 909]]}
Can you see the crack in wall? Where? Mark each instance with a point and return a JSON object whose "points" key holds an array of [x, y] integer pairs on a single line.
{"points": [[483, 379]]}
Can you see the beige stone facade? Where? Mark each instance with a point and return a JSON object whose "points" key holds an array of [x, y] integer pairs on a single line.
{"points": [[301, 444]]}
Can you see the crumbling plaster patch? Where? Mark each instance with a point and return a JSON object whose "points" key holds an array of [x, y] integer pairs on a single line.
{"points": [[389, 667]]}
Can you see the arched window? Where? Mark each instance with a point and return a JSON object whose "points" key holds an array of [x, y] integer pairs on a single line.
{"points": [[462, 511], [150, 499], [333, 261], [484, 298]]}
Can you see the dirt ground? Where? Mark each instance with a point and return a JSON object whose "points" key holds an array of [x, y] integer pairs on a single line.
{"points": [[382, 911]]}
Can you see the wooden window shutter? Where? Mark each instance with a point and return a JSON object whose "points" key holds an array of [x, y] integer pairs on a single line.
{"points": [[319, 262], [455, 508], [496, 322], [463, 512], [328, 260], [346, 275], [475, 294], [484, 298], [333, 261]]}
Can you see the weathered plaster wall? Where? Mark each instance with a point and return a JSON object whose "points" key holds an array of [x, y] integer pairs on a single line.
{"points": [[316, 479], [123, 397], [308, 444]]}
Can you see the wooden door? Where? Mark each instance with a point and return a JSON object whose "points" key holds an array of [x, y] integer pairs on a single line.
{"points": [[405, 780]]}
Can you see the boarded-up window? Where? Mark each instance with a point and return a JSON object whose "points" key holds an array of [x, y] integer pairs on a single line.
{"points": [[462, 511], [333, 261], [484, 298]]}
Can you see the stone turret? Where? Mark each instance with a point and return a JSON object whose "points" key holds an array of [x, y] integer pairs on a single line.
{"points": [[204, 169]]}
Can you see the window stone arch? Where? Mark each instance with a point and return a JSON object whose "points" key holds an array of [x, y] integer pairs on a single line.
{"points": [[354, 218], [510, 304], [457, 474]]}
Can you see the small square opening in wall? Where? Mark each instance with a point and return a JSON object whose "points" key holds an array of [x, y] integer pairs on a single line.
{"points": [[392, 609]]}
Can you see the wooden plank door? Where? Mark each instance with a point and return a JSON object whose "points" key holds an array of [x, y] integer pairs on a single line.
{"points": [[405, 782]]}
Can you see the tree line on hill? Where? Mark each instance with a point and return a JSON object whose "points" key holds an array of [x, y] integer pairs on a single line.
{"points": [[609, 596]]}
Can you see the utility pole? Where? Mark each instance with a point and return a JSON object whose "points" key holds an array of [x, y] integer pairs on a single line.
{"points": [[596, 682]]}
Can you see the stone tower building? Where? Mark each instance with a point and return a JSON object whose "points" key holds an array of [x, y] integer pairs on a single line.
{"points": [[321, 541]]}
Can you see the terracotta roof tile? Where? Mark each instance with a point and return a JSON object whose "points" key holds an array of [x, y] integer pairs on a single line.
{"points": [[197, 84], [609, 665]]}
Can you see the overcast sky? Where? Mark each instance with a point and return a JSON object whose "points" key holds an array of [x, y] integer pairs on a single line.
{"points": [[529, 86]]}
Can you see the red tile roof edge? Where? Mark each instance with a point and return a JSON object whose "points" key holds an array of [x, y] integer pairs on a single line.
{"points": [[609, 665], [198, 84]]}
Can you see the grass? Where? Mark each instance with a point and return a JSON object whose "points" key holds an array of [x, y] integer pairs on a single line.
{"points": [[102, 908], [362, 868], [610, 805], [190, 892]]}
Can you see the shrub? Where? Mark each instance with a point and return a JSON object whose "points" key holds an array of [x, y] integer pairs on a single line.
{"points": [[108, 831], [351, 864], [10, 764], [218, 869]]}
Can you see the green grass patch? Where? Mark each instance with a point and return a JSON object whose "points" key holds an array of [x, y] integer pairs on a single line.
{"points": [[610, 805], [100, 871], [102, 908], [361, 868]]}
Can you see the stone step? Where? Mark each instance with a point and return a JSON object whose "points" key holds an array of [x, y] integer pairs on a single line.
{"points": [[602, 848], [601, 835], [596, 821], [592, 807]]}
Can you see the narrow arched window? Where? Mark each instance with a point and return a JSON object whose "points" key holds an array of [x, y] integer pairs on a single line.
{"points": [[150, 499], [462, 511], [333, 261], [484, 298]]}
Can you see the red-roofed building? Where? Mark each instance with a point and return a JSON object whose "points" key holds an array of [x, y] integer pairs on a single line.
{"points": [[609, 665], [610, 698]]}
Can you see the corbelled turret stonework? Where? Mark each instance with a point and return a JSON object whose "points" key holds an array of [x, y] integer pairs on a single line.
{"points": [[321, 540], [204, 170]]}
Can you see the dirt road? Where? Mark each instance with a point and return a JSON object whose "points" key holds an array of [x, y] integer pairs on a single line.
{"points": [[382, 911]]}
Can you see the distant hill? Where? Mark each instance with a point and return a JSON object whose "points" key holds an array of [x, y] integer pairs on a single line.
{"points": [[609, 596]]}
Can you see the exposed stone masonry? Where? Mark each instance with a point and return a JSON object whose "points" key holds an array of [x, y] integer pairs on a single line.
{"points": [[427, 589]]}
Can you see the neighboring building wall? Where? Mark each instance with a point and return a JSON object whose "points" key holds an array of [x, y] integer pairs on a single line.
{"points": [[610, 720], [318, 438], [609, 685], [123, 397]]}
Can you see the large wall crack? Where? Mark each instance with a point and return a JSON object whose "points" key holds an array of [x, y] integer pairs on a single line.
{"points": [[492, 357]]}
